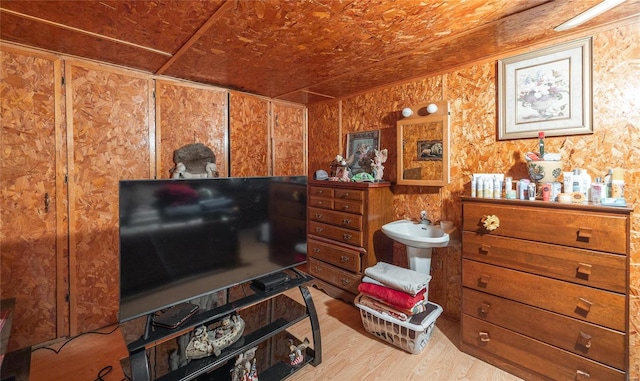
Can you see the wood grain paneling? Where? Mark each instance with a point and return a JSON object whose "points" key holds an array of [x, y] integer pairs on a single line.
{"points": [[471, 91], [289, 140], [108, 121], [29, 199], [189, 114], [248, 135]]}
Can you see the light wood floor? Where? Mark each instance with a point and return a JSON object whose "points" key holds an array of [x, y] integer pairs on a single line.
{"points": [[349, 352]]}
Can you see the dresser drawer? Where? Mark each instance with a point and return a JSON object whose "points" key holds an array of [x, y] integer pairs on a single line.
{"points": [[585, 303], [590, 268], [595, 230], [320, 202], [320, 192], [348, 194], [545, 360], [586, 339], [335, 276], [348, 236], [348, 206], [339, 256], [345, 220]]}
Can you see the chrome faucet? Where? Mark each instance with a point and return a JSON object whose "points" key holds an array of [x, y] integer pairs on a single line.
{"points": [[423, 218]]}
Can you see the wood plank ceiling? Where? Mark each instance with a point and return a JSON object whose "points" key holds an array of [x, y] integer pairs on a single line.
{"points": [[302, 51]]}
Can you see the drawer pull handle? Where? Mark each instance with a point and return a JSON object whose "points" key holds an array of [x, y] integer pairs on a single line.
{"points": [[490, 222], [485, 308], [585, 233], [345, 207], [584, 268], [484, 337], [318, 269], [320, 202], [316, 249], [346, 221], [344, 259], [484, 278], [582, 375], [484, 249], [319, 229], [585, 305], [584, 340], [318, 216], [346, 237], [346, 195], [346, 281]]}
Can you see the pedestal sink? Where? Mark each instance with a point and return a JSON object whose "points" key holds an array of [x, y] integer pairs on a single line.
{"points": [[420, 240]]}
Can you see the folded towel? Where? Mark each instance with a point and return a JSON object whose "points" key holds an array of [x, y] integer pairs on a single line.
{"points": [[383, 308], [367, 279], [392, 297], [398, 278]]}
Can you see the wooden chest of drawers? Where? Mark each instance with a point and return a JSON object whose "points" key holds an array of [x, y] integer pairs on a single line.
{"points": [[344, 221], [545, 294]]}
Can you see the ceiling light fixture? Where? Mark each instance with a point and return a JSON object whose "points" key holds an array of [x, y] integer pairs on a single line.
{"points": [[588, 14]]}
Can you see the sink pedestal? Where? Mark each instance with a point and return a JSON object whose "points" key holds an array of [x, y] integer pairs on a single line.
{"points": [[419, 259]]}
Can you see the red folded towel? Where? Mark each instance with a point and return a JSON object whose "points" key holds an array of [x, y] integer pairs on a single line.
{"points": [[395, 298]]}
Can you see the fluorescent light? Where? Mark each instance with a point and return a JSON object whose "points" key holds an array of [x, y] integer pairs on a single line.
{"points": [[588, 14]]}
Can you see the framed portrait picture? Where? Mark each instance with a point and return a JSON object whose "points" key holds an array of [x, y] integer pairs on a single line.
{"points": [[546, 90], [360, 147]]}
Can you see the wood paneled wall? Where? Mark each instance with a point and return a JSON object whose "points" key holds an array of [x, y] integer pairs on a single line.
{"points": [[66, 145], [188, 114], [471, 91]]}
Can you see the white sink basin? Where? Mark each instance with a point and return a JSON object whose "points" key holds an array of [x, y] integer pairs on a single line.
{"points": [[416, 235]]}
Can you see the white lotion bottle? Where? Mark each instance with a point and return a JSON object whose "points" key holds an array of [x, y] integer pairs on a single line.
{"points": [[585, 184]]}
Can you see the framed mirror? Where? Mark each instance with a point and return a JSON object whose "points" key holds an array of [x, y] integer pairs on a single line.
{"points": [[423, 145]]}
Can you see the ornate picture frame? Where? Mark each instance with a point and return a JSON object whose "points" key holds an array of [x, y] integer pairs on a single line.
{"points": [[546, 90], [360, 146]]}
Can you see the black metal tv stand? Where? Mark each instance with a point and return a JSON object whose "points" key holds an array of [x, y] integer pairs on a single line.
{"points": [[137, 350]]}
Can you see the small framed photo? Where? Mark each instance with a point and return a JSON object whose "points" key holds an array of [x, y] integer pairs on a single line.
{"points": [[430, 150], [360, 147], [546, 90]]}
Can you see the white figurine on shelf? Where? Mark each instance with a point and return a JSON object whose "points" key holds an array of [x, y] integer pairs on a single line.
{"points": [[376, 163]]}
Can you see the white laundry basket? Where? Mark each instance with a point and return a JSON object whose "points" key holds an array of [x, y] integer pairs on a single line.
{"points": [[406, 335]]}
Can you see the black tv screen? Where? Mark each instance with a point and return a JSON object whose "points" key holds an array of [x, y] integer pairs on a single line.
{"points": [[181, 239]]}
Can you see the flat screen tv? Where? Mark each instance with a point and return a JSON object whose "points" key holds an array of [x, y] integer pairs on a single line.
{"points": [[182, 239]]}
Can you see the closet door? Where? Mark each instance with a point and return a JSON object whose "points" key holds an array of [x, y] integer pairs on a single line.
{"points": [[109, 121], [187, 114], [249, 135], [289, 138], [32, 195]]}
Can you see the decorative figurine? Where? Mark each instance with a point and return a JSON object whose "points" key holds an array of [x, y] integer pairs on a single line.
{"points": [[194, 161], [245, 368], [380, 157], [205, 343], [296, 356]]}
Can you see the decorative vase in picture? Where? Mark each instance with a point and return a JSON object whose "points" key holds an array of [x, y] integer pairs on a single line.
{"points": [[543, 93]]}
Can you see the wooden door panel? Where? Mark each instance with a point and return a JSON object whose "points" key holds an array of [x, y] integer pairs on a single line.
{"points": [[29, 201], [189, 114], [108, 124], [248, 135]]}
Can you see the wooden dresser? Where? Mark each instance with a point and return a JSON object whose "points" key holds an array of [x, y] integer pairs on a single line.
{"points": [[545, 294], [344, 236]]}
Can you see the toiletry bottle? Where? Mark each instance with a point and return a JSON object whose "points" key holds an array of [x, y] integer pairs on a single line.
{"points": [[473, 186], [480, 187], [607, 184], [576, 183], [617, 183], [585, 184], [541, 144], [597, 191], [568, 182], [488, 187], [497, 187]]}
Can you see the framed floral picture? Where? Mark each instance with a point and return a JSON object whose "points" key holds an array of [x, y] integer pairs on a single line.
{"points": [[546, 90], [360, 150]]}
